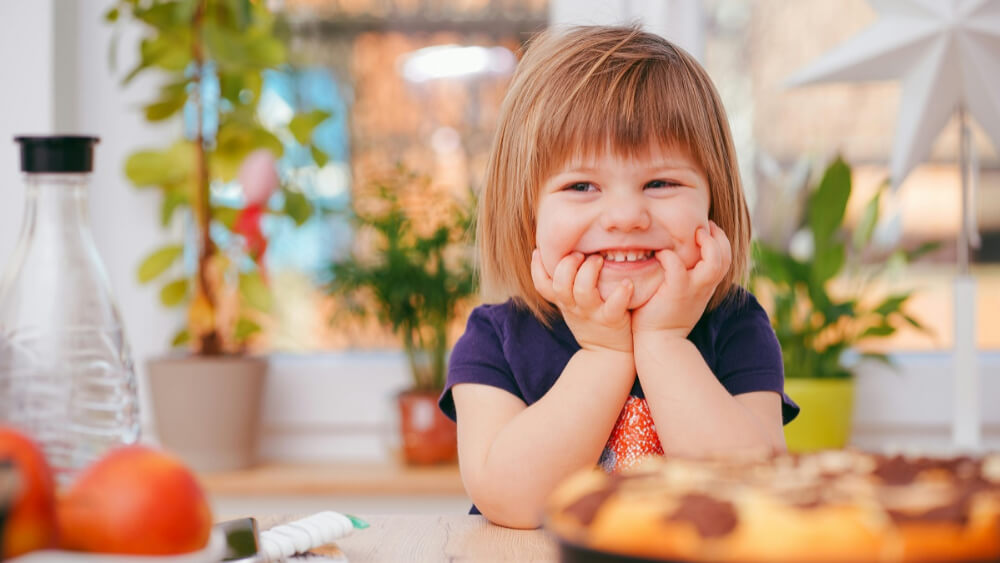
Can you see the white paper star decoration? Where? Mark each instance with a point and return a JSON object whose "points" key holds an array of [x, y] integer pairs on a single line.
{"points": [[947, 53]]}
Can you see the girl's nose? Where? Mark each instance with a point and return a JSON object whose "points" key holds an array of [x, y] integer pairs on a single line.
{"points": [[625, 213]]}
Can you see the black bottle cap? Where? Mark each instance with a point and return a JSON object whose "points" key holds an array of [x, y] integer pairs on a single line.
{"points": [[57, 153]]}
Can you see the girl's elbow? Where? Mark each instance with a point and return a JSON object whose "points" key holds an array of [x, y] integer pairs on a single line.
{"points": [[505, 508], [510, 517]]}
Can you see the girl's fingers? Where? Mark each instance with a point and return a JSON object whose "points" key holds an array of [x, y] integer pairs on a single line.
{"points": [[707, 269], [716, 256], [674, 270], [616, 305], [564, 277], [585, 291], [724, 245], [543, 283]]}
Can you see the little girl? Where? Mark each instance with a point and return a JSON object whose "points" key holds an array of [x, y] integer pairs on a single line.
{"points": [[613, 222]]}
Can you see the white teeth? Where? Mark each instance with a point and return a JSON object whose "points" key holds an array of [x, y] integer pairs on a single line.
{"points": [[627, 256]]}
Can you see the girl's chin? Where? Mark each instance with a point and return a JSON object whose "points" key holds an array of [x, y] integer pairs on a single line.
{"points": [[645, 287]]}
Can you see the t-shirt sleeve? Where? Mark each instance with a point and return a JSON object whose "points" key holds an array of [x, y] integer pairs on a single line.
{"points": [[749, 356], [477, 358]]}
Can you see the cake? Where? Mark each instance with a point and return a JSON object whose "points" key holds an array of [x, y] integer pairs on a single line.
{"points": [[831, 506]]}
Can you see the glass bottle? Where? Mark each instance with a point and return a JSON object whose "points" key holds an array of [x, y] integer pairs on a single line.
{"points": [[66, 374]]}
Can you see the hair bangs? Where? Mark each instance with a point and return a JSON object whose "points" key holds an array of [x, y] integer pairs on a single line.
{"points": [[624, 109]]}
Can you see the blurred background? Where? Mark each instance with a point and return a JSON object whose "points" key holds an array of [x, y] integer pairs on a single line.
{"points": [[418, 83]]}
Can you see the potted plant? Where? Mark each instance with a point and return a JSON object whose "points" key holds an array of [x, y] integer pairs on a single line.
{"points": [[212, 56], [818, 320], [414, 275]]}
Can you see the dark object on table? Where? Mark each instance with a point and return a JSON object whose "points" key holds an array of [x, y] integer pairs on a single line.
{"points": [[570, 553], [9, 483]]}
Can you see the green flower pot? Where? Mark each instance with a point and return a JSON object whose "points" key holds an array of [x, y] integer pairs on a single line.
{"points": [[825, 420]]}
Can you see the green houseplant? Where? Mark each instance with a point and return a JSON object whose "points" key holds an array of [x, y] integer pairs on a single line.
{"points": [[414, 276], [818, 321], [211, 57]]}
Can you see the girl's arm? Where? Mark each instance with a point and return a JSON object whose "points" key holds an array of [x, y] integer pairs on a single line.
{"points": [[694, 414], [512, 456]]}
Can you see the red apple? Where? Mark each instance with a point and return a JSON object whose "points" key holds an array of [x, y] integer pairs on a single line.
{"points": [[31, 522], [135, 500]]}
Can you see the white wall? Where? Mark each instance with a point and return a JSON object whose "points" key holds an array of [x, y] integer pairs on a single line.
{"points": [[680, 21], [54, 57], [26, 51]]}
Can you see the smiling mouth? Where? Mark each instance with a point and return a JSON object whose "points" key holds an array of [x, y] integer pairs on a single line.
{"points": [[623, 256]]}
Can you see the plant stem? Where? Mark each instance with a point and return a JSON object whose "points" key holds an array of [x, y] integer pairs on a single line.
{"points": [[210, 343]]}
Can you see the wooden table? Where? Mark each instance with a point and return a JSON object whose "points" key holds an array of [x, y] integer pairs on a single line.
{"points": [[453, 537]]}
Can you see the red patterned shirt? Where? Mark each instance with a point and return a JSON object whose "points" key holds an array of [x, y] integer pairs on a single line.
{"points": [[633, 437]]}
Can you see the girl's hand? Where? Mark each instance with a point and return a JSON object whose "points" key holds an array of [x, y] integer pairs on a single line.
{"points": [[596, 324], [682, 297]]}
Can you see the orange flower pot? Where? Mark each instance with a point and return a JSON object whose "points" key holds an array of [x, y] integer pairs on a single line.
{"points": [[428, 435]]}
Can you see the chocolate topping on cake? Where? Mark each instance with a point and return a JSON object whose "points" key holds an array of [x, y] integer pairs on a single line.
{"points": [[585, 508], [898, 470], [710, 516]]}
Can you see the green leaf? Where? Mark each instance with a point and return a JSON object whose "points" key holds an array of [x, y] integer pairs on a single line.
{"points": [[819, 296], [877, 331], [255, 292], [174, 292], [883, 358], [828, 263], [917, 325], [777, 266], [836, 311], [172, 199], [264, 139], [165, 107], [297, 206], [245, 328], [181, 338], [922, 250], [225, 215], [319, 157], [230, 86], [302, 125], [892, 304], [240, 11], [160, 168], [111, 16], [158, 15], [235, 141], [138, 68], [170, 50], [158, 262], [866, 225], [234, 50], [184, 10], [828, 203], [149, 168]]}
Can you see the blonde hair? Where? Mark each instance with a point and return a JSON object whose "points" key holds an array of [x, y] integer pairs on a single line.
{"points": [[581, 92]]}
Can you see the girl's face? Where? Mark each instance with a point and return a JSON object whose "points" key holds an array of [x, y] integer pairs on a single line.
{"points": [[624, 210]]}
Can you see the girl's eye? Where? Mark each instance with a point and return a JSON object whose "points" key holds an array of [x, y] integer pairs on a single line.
{"points": [[662, 184], [581, 187]]}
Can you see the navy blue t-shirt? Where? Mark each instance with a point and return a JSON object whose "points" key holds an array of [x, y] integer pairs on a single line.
{"points": [[505, 346]]}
